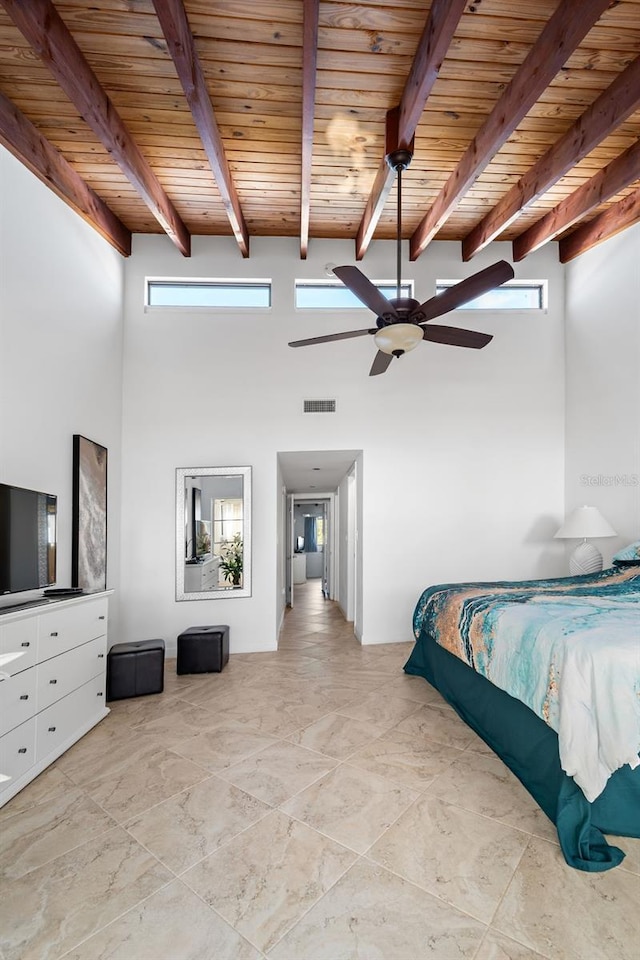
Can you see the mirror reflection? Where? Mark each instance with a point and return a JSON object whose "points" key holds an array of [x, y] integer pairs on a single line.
{"points": [[213, 532]]}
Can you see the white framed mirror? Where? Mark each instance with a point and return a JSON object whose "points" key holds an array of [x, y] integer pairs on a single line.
{"points": [[213, 533]]}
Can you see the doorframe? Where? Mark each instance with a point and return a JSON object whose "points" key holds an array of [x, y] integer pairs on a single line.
{"points": [[330, 499], [352, 543], [288, 547]]}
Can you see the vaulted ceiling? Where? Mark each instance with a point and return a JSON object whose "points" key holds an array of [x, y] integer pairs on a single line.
{"points": [[246, 118]]}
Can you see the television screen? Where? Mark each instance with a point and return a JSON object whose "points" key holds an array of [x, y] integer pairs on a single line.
{"points": [[27, 539]]}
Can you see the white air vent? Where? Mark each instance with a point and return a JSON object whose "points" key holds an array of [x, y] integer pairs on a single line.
{"points": [[319, 406]]}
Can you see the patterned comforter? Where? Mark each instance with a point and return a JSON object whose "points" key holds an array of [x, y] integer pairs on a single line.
{"points": [[568, 648]]}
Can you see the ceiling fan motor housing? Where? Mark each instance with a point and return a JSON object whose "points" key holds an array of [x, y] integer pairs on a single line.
{"points": [[406, 309]]}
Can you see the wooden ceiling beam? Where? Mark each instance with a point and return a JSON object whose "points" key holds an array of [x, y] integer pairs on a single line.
{"points": [[618, 217], [27, 144], [41, 25], [309, 63], [606, 183], [441, 24], [612, 107], [564, 31], [177, 33]]}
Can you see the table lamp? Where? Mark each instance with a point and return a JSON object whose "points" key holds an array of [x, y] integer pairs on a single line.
{"points": [[585, 522]]}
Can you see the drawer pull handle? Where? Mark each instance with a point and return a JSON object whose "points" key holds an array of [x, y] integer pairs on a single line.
{"points": [[24, 696], [99, 694], [54, 634], [101, 618], [26, 643], [22, 749], [53, 681], [52, 729], [100, 656]]}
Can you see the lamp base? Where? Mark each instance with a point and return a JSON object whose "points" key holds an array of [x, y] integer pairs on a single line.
{"points": [[585, 559]]}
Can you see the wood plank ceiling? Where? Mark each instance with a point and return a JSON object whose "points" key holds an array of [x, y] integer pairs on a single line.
{"points": [[246, 118]]}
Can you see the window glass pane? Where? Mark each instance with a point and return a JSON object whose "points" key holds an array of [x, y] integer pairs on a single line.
{"points": [[227, 522], [523, 296], [332, 296], [166, 293]]}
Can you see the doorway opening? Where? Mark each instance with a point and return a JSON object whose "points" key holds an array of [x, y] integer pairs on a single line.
{"points": [[312, 522], [320, 516]]}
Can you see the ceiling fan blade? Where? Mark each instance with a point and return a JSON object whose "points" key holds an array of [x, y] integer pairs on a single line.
{"points": [[474, 286], [365, 291], [331, 336], [455, 336], [380, 363]]}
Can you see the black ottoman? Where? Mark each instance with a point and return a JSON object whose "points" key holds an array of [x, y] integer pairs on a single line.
{"points": [[203, 649], [135, 669]]}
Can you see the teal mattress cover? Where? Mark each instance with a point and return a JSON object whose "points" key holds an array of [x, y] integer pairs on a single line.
{"points": [[529, 747]]}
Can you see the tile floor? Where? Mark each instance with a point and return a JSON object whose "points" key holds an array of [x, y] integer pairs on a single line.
{"points": [[310, 803]]}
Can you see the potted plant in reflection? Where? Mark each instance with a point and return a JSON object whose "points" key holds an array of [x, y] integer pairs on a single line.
{"points": [[231, 553]]}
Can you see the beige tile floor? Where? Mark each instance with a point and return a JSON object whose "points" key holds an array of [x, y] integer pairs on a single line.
{"points": [[310, 803]]}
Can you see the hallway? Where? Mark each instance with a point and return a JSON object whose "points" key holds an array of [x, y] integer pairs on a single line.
{"points": [[314, 622]]}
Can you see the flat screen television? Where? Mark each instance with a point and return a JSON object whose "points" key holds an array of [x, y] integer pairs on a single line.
{"points": [[27, 539]]}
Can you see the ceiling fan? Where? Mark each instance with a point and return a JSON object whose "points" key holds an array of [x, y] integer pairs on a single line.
{"points": [[402, 322]]}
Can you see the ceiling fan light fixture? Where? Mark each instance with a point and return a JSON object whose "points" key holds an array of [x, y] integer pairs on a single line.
{"points": [[400, 337]]}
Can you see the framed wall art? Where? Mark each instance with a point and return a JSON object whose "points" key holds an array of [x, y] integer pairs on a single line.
{"points": [[89, 530]]}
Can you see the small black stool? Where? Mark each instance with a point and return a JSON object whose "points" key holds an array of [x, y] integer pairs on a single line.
{"points": [[203, 649], [135, 669]]}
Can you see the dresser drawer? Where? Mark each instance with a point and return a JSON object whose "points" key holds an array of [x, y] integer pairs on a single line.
{"points": [[17, 700], [58, 723], [210, 574], [66, 627], [59, 676], [19, 637], [17, 752]]}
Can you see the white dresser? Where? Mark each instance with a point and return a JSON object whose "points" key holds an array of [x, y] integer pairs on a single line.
{"points": [[201, 576], [55, 692], [299, 568]]}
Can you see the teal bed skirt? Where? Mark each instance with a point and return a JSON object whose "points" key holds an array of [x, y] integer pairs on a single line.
{"points": [[530, 749]]}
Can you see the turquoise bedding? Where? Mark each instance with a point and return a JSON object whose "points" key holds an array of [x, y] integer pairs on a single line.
{"points": [[529, 747], [569, 649]]}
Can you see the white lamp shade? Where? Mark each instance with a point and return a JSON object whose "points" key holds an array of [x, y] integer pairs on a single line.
{"points": [[585, 522], [398, 336]]}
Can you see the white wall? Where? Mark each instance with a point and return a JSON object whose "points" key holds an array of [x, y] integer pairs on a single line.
{"points": [[463, 451], [280, 553], [603, 385], [61, 291], [345, 502]]}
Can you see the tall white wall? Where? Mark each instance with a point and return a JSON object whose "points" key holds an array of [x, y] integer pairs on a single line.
{"points": [[61, 291], [462, 471], [603, 384], [280, 550]]}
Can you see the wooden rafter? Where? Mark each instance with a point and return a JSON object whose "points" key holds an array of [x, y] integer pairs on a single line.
{"points": [[618, 217], [442, 21], [44, 29], [562, 34], [177, 32], [309, 62], [27, 144], [607, 112], [609, 181]]}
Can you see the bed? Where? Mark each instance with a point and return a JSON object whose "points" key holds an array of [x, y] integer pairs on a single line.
{"points": [[547, 672]]}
